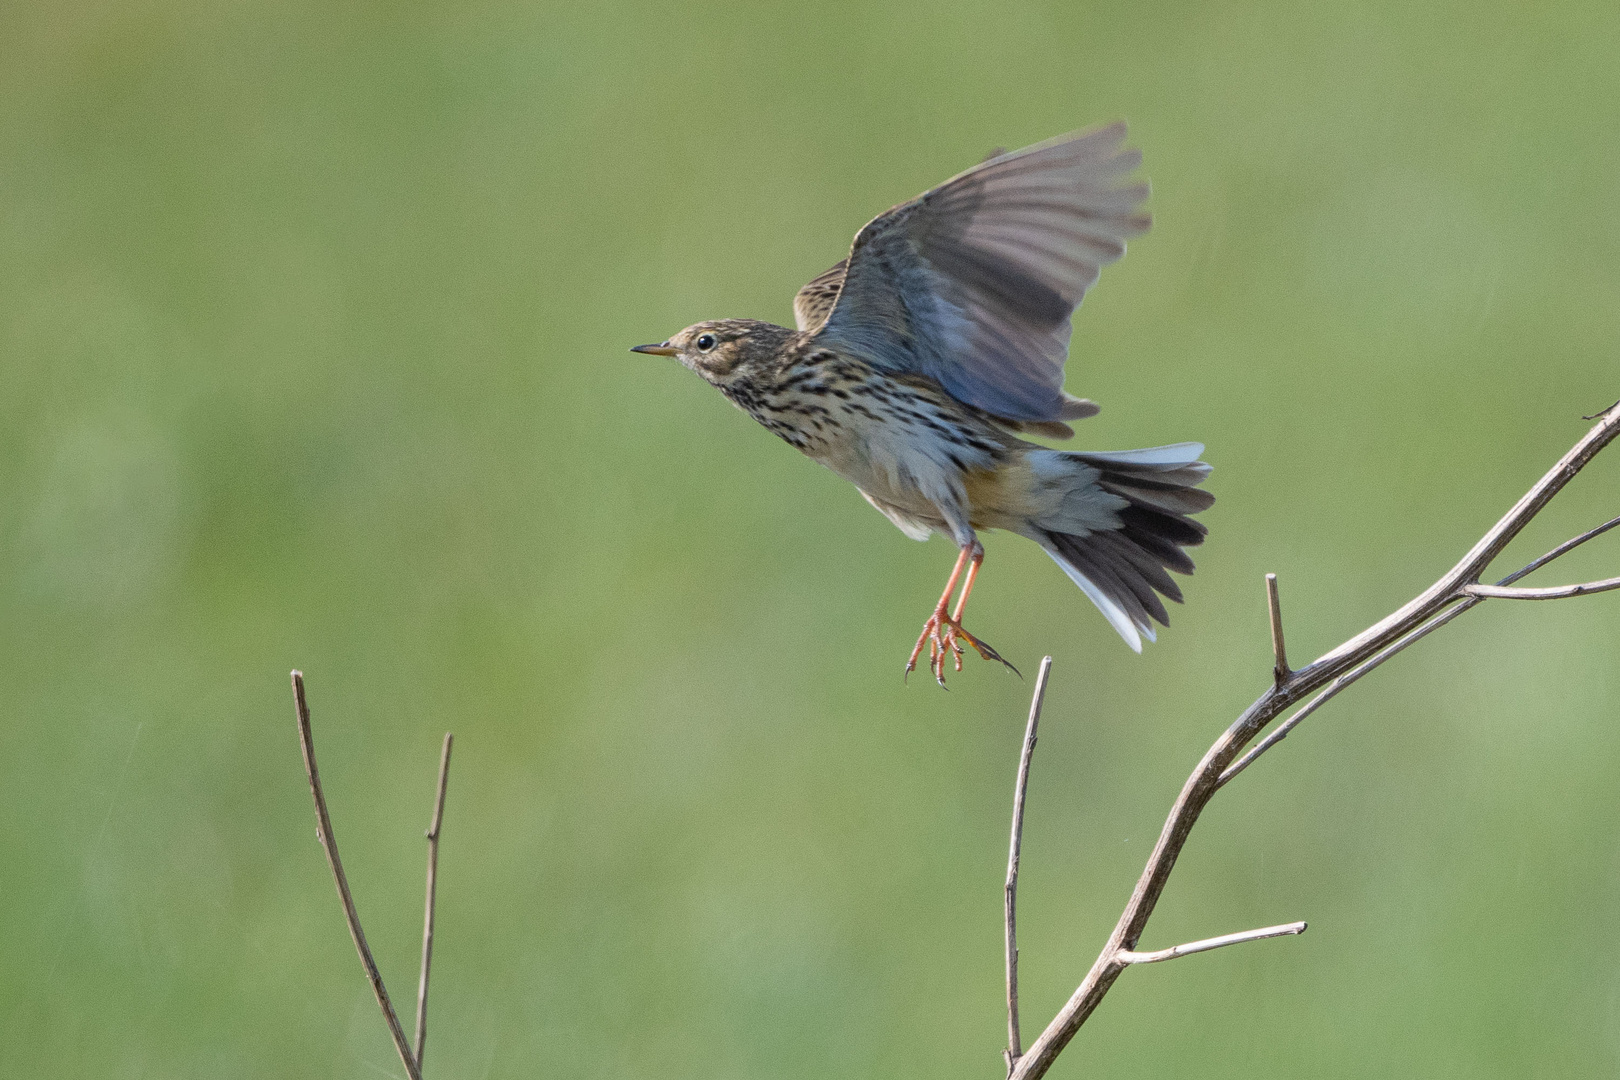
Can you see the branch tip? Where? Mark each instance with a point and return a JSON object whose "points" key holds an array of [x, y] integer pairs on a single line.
{"points": [[1279, 652], [432, 894], [1554, 592], [1015, 1048], [1126, 956]]}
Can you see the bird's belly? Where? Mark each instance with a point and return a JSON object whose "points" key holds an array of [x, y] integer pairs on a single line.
{"points": [[892, 466], [927, 474]]}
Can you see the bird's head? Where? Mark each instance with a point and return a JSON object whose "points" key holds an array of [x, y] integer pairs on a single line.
{"points": [[724, 350]]}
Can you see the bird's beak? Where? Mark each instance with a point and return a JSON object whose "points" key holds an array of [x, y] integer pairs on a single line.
{"points": [[655, 350]]}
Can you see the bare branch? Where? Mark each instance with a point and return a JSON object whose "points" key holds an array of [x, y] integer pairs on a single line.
{"points": [[323, 831], [1560, 551], [1279, 652], [1555, 592], [1014, 848], [1285, 930], [1280, 732], [1476, 594], [1478, 558], [1353, 658], [432, 889]]}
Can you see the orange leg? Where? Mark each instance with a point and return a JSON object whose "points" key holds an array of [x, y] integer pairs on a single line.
{"points": [[930, 634], [967, 586], [943, 631], [961, 606]]}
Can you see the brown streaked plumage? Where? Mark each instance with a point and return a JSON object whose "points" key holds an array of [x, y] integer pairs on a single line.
{"points": [[920, 358]]}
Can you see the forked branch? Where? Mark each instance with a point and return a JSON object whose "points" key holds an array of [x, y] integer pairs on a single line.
{"points": [[412, 1060], [1457, 591]]}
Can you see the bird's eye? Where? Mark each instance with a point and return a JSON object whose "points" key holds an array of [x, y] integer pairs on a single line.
{"points": [[705, 342]]}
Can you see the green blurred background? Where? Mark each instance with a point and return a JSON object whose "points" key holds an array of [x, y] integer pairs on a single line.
{"points": [[313, 320]]}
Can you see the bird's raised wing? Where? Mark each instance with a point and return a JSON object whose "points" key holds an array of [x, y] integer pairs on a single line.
{"points": [[973, 283], [813, 303]]}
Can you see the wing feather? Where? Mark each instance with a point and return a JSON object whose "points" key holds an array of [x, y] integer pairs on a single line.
{"points": [[974, 282], [814, 302]]}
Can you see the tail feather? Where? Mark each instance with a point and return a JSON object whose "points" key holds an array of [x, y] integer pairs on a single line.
{"points": [[1176, 528], [1160, 496], [1117, 618], [1181, 455], [1149, 567], [1120, 562], [1165, 551], [1115, 576]]}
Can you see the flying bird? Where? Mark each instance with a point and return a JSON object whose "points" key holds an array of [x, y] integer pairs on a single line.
{"points": [[919, 360]]}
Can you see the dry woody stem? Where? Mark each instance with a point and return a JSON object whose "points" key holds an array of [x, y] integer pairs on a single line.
{"points": [[1285, 930], [1014, 848], [432, 894], [1279, 652], [1457, 591], [412, 1060]]}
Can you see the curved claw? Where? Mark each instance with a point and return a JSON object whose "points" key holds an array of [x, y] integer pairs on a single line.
{"points": [[984, 651], [943, 635]]}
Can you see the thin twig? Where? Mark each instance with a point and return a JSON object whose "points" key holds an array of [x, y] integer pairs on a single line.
{"points": [[1279, 652], [1475, 595], [432, 888], [1560, 551], [1372, 643], [1015, 1047], [1280, 732], [1554, 592], [1285, 930], [1478, 558], [323, 831]]}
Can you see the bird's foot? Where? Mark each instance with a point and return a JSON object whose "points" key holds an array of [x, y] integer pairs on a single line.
{"points": [[944, 636]]}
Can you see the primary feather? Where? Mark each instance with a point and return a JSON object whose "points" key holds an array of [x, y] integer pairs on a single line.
{"points": [[973, 282]]}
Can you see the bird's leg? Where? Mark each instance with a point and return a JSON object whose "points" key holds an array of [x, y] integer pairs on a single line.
{"points": [[954, 628], [930, 632], [943, 628], [976, 561]]}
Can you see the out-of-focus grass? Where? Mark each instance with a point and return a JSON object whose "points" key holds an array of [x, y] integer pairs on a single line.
{"points": [[313, 322]]}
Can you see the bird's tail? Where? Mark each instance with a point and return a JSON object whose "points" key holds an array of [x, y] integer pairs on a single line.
{"points": [[1121, 521]]}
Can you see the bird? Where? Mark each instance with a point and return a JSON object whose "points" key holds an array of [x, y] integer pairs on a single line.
{"points": [[919, 361]]}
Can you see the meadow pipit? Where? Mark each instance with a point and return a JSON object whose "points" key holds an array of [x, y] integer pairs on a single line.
{"points": [[920, 358]]}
